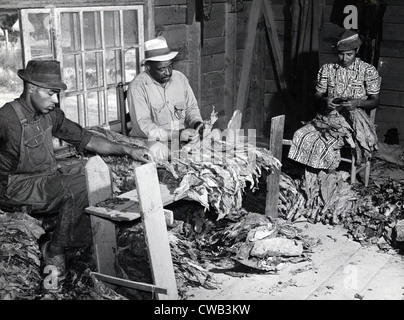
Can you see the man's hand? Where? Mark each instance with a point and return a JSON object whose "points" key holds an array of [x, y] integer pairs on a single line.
{"points": [[142, 154], [189, 135]]}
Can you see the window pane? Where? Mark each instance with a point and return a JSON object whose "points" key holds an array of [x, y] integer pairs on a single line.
{"points": [[11, 85], [92, 30], [111, 29], [113, 65], [71, 108], [70, 32], [95, 108], [131, 27], [40, 36], [112, 104], [94, 70], [132, 64], [72, 72]]}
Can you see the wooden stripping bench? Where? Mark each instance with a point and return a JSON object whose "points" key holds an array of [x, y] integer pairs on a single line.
{"points": [[145, 203]]}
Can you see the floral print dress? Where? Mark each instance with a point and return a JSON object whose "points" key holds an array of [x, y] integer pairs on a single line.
{"points": [[317, 144]]}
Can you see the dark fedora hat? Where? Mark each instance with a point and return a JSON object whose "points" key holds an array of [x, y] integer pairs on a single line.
{"points": [[43, 73], [348, 40]]}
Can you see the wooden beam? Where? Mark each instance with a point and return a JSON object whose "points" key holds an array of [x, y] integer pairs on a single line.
{"points": [[274, 42], [155, 230], [275, 145], [230, 73], [278, 55], [244, 85], [99, 186], [151, 33], [129, 284]]}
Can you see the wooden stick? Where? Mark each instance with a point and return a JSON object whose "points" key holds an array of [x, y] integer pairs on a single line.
{"points": [[129, 284]]}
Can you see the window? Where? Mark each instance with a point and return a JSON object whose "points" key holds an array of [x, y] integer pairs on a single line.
{"points": [[98, 47]]}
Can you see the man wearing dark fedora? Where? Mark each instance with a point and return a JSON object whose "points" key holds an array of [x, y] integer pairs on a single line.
{"points": [[344, 90], [161, 102], [29, 174]]}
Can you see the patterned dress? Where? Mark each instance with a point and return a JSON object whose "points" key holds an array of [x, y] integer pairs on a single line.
{"points": [[317, 144]]}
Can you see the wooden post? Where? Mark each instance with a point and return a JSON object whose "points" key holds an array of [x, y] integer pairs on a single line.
{"points": [[275, 145], [244, 85], [99, 186], [155, 230], [278, 55], [230, 76]]}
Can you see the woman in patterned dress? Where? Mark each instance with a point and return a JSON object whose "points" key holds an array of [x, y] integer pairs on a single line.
{"points": [[344, 91]]}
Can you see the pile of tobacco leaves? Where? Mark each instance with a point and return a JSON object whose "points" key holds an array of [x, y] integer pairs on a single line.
{"points": [[243, 242], [20, 275], [378, 209]]}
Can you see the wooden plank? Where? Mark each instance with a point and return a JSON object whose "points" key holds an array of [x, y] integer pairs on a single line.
{"points": [[99, 186], [170, 15], [155, 230], [213, 46], [275, 145], [194, 57], [129, 284], [245, 76], [167, 195], [274, 42], [115, 215], [230, 83], [393, 49], [214, 62]]}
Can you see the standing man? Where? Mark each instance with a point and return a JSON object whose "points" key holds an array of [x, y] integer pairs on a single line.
{"points": [[161, 102], [28, 170]]}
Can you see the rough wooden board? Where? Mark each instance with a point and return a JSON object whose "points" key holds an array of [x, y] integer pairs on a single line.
{"points": [[112, 214], [245, 76], [99, 187], [155, 230], [167, 195], [275, 145], [129, 284]]}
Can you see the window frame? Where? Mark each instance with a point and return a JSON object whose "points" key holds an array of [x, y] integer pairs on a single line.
{"points": [[58, 54]]}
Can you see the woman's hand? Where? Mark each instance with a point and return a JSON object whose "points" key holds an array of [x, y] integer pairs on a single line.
{"points": [[331, 105], [350, 104]]}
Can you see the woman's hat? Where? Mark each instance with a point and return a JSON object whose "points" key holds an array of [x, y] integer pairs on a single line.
{"points": [[157, 50], [348, 40], [43, 73]]}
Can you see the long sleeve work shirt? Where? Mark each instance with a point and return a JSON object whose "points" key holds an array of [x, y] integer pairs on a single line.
{"points": [[156, 109]]}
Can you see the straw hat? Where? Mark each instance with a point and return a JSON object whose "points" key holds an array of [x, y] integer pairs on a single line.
{"points": [[157, 50]]}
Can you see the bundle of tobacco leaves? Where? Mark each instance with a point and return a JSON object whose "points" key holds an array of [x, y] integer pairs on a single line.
{"points": [[248, 239], [322, 197], [215, 173], [20, 275]]}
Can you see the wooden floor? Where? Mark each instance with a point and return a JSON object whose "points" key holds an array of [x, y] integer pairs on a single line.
{"points": [[339, 269]]}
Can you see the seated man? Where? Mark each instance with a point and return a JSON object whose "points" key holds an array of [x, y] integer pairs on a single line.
{"points": [[29, 174], [161, 103]]}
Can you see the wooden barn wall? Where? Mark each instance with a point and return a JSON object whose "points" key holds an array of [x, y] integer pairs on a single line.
{"points": [[390, 113], [221, 42], [391, 67]]}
